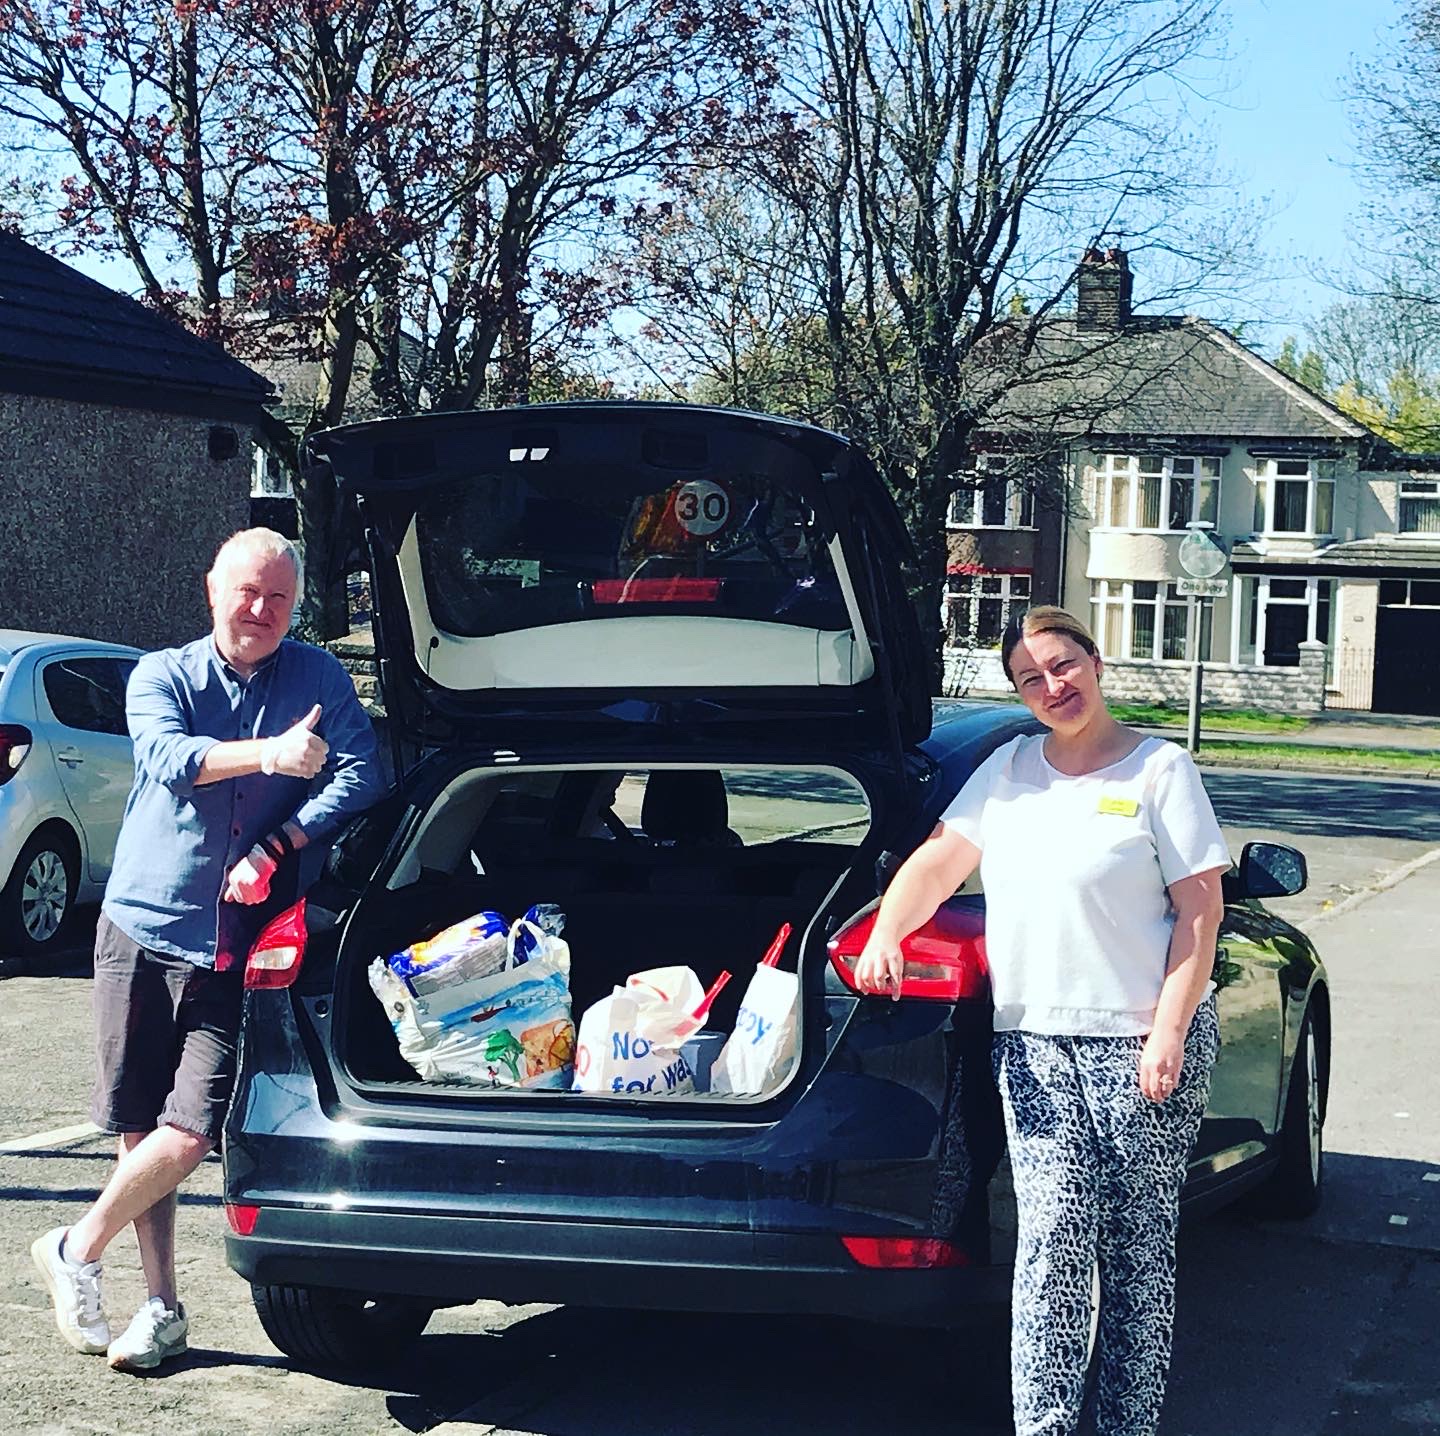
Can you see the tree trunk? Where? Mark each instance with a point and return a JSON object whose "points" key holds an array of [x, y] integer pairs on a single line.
{"points": [[323, 608]]}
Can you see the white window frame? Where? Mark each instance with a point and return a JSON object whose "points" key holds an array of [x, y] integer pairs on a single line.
{"points": [[1113, 592], [967, 502], [1415, 488], [1129, 469], [1007, 594], [263, 481], [1262, 599], [1317, 472]]}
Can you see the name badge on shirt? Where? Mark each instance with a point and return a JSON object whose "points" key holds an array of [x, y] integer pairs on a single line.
{"points": [[1120, 807]]}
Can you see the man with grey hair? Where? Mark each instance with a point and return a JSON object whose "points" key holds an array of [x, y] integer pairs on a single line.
{"points": [[249, 747]]}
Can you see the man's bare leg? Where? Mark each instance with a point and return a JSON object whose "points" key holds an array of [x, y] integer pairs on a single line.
{"points": [[142, 1190]]}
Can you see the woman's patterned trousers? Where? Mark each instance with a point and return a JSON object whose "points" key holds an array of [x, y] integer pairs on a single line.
{"points": [[1098, 1170]]}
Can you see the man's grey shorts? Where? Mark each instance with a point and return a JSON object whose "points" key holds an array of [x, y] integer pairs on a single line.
{"points": [[165, 1038]]}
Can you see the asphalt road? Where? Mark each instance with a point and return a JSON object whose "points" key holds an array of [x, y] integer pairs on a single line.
{"points": [[1323, 1328]]}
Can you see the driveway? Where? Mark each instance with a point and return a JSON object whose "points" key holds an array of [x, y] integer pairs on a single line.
{"points": [[1323, 1328]]}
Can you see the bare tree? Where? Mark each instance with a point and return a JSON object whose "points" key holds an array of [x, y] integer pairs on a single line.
{"points": [[944, 167], [1395, 100], [427, 190]]}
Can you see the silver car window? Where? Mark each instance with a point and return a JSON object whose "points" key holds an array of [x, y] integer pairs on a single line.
{"points": [[86, 693]]}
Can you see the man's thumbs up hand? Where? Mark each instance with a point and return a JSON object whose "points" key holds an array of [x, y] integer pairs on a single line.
{"points": [[297, 752]]}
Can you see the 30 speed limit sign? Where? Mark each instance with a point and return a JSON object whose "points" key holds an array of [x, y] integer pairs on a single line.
{"points": [[702, 507]]}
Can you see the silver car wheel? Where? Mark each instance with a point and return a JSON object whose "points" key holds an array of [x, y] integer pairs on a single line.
{"points": [[44, 895], [1314, 1120]]}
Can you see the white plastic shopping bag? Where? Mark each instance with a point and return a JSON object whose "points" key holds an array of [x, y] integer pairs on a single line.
{"points": [[759, 1053], [630, 1041], [511, 1028]]}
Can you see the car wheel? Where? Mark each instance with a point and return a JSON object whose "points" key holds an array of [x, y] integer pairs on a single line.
{"points": [[322, 1327], [1294, 1188], [36, 903]]}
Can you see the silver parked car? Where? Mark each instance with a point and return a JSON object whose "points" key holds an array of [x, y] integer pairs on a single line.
{"points": [[65, 773]]}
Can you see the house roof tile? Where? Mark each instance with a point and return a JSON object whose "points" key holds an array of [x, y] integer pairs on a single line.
{"points": [[1166, 376], [59, 322]]}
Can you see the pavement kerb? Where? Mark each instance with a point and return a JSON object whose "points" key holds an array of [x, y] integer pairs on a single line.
{"points": [[1390, 880]]}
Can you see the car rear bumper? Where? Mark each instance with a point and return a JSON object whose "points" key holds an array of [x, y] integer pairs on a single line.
{"points": [[452, 1260]]}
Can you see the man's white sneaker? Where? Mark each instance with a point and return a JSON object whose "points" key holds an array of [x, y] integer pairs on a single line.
{"points": [[75, 1292], [155, 1334]]}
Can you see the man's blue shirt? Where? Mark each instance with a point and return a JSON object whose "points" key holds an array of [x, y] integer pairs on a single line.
{"points": [[179, 840]]}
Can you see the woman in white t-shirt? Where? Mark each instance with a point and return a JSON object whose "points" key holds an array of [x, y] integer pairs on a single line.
{"points": [[1101, 861]]}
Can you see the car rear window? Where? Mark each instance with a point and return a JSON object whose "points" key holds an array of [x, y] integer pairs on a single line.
{"points": [[538, 546]]}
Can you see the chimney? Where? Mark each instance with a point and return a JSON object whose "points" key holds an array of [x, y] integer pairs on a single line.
{"points": [[1102, 290]]}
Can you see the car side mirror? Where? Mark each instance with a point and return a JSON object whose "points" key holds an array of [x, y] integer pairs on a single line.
{"points": [[1271, 870]]}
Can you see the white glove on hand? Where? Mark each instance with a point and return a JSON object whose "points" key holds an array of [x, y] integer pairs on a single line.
{"points": [[298, 752], [249, 880]]}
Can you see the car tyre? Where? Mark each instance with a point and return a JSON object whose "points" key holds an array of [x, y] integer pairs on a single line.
{"points": [[37, 902], [1294, 1189], [322, 1327]]}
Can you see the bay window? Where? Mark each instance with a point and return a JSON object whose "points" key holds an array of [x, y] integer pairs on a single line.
{"points": [[993, 498], [979, 605], [1159, 493], [1139, 619]]}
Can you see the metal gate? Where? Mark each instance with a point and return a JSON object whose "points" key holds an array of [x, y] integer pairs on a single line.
{"points": [[1353, 678]]}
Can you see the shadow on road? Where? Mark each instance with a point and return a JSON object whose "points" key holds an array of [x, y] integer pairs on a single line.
{"points": [[1282, 1329], [1329, 807]]}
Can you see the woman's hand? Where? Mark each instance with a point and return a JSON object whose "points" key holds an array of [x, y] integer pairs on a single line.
{"points": [[1160, 1063], [880, 968]]}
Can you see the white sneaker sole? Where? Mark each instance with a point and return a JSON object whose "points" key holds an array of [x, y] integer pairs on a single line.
{"points": [[39, 1254], [149, 1360]]}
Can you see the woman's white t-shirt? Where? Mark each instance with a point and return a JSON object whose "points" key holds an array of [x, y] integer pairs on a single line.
{"points": [[1075, 870]]}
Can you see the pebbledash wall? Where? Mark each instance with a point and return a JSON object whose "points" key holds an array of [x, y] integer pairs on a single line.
{"points": [[978, 673], [110, 517]]}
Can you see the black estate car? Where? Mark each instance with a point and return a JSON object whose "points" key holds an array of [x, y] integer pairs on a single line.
{"points": [[656, 665]]}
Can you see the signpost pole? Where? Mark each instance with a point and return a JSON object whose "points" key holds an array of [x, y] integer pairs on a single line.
{"points": [[1197, 675], [1204, 560]]}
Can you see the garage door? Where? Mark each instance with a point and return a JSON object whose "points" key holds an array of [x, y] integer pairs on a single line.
{"points": [[1407, 648]]}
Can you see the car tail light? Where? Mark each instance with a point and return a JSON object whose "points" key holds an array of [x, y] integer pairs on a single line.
{"points": [[15, 743], [905, 1253], [944, 960], [276, 956], [242, 1217], [656, 590]]}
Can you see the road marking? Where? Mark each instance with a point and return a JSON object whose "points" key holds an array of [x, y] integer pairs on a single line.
{"points": [[1365, 894], [59, 1137], [1431, 1177], [1396, 1221]]}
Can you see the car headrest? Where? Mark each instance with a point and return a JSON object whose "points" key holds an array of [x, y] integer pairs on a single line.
{"points": [[686, 806]]}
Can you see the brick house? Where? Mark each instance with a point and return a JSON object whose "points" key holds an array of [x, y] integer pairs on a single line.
{"points": [[1333, 536], [125, 454]]}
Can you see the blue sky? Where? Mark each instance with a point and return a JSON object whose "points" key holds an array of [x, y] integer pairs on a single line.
{"points": [[1284, 132]]}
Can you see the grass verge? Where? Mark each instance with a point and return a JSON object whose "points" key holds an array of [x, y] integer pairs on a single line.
{"points": [[1297, 755], [1238, 720]]}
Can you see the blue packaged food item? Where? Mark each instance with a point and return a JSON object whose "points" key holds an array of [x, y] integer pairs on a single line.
{"points": [[544, 915], [471, 948]]}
